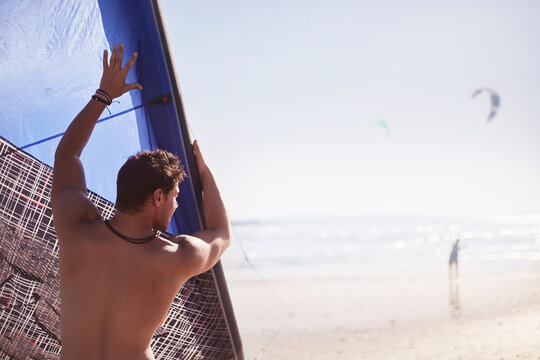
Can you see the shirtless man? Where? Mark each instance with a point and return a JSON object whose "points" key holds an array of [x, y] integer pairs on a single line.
{"points": [[115, 293]]}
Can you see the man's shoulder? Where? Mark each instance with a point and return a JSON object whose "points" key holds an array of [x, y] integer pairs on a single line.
{"points": [[181, 249], [176, 245], [179, 240], [173, 256]]}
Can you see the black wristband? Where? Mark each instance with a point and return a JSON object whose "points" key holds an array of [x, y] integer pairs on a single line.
{"points": [[107, 96], [101, 100]]}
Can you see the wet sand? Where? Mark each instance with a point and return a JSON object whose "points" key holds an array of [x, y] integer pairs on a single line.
{"points": [[490, 312]]}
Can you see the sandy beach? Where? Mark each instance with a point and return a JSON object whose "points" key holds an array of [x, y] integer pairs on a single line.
{"points": [[406, 312]]}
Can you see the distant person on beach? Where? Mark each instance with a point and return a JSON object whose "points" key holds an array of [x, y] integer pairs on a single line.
{"points": [[454, 258], [118, 277]]}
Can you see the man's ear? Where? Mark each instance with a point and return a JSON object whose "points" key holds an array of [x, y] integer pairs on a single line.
{"points": [[158, 197]]}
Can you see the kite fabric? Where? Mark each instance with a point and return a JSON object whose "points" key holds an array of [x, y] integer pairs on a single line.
{"points": [[51, 63], [382, 124], [494, 98]]}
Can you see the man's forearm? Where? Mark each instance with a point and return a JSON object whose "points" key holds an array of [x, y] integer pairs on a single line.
{"points": [[68, 170], [80, 129], [214, 208]]}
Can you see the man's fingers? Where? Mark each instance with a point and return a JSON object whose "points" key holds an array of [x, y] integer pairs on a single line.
{"points": [[130, 63], [197, 150], [120, 56], [199, 159], [105, 59], [114, 76], [133, 86], [113, 56]]}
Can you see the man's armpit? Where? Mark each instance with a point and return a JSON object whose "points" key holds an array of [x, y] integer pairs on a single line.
{"points": [[73, 206]]}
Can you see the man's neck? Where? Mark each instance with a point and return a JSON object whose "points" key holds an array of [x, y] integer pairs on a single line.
{"points": [[134, 225]]}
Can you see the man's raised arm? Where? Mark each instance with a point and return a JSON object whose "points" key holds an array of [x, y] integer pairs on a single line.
{"points": [[205, 247], [69, 201]]}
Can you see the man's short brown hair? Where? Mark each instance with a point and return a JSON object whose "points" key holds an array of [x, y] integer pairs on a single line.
{"points": [[142, 174]]}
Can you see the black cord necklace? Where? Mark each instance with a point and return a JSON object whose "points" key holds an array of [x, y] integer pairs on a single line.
{"points": [[132, 240]]}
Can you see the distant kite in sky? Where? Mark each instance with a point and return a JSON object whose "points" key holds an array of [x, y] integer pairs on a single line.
{"points": [[382, 124], [495, 100]]}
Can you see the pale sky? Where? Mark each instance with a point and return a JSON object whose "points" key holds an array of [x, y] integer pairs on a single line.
{"points": [[283, 94]]}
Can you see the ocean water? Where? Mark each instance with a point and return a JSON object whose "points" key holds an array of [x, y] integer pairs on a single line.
{"points": [[352, 246]]}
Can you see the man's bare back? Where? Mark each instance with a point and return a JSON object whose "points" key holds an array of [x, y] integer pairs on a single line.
{"points": [[114, 293]]}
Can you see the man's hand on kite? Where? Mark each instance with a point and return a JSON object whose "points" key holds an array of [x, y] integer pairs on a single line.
{"points": [[113, 80]]}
